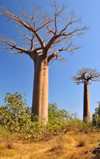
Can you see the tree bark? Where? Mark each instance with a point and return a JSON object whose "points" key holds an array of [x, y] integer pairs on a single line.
{"points": [[86, 115], [40, 88]]}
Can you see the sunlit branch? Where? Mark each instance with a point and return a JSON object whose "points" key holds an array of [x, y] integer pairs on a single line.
{"points": [[55, 54], [19, 21], [12, 45], [86, 75]]}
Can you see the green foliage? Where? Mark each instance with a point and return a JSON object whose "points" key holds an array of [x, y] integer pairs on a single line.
{"points": [[97, 110], [96, 117], [56, 114], [15, 117], [60, 121], [4, 134], [15, 113], [99, 142], [57, 119]]}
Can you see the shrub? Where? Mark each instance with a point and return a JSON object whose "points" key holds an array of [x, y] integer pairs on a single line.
{"points": [[14, 115], [81, 143], [96, 117]]}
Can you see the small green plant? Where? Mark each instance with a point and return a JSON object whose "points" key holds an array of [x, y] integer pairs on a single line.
{"points": [[99, 142]]}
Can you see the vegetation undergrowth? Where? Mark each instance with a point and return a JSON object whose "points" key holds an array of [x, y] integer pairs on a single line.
{"points": [[15, 120]]}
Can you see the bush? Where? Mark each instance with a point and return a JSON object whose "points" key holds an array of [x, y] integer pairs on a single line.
{"points": [[15, 116], [57, 119], [96, 117]]}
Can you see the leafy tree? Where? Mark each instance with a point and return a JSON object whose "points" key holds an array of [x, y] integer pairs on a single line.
{"points": [[15, 113], [58, 119], [55, 114], [84, 76], [58, 33], [96, 117], [97, 110]]}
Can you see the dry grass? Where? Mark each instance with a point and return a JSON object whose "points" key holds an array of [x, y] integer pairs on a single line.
{"points": [[72, 145], [81, 143]]}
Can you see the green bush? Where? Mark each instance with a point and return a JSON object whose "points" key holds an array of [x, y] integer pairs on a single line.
{"points": [[15, 117], [96, 117], [15, 113], [57, 119]]}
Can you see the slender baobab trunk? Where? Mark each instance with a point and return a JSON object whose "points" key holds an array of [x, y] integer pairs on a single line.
{"points": [[86, 108], [40, 88]]}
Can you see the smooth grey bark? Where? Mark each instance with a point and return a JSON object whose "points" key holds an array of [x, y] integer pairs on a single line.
{"points": [[86, 103]]}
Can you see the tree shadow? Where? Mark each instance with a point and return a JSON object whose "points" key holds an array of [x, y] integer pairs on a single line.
{"points": [[96, 151]]}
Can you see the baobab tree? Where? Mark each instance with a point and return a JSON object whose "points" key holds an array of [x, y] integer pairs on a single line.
{"points": [[84, 76], [45, 35]]}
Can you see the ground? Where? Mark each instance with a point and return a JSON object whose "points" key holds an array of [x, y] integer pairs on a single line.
{"points": [[72, 145]]}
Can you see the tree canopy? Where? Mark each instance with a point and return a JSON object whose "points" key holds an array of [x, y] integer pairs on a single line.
{"points": [[85, 75], [57, 28]]}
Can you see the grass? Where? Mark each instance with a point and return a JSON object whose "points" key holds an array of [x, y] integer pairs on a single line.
{"points": [[71, 145], [62, 137], [81, 143]]}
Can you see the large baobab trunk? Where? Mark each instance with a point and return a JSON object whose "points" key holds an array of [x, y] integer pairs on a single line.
{"points": [[40, 88], [42, 47], [86, 115]]}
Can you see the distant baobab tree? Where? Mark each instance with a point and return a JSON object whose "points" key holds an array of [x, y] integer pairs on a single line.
{"points": [[44, 36], [84, 76]]}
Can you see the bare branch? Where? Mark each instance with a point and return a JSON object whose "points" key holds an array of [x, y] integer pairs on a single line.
{"points": [[66, 32], [12, 45], [72, 33], [24, 34], [4, 12], [57, 37], [55, 54], [85, 75]]}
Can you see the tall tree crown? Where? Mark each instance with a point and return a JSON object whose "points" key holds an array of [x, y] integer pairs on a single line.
{"points": [[30, 26], [85, 75]]}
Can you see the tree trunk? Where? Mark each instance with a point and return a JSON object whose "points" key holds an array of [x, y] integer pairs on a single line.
{"points": [[40, 88], [86, 115]]}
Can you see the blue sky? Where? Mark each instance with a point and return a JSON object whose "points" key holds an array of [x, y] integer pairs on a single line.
{"points": [[17, 71]]}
